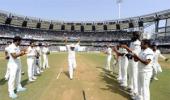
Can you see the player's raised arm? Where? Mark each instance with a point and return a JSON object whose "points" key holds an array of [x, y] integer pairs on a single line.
{"points": [[78, 42], [65, 40]]}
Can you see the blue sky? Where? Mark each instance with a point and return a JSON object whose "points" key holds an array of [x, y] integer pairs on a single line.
{"points": [[82, 10]]}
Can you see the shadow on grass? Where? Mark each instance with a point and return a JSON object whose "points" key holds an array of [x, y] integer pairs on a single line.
{"points": [[67, 74], [112, 84], [3, 81], [24, 82]]}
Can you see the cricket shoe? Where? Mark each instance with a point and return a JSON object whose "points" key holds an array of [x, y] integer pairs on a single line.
{"points": [[34, 78], [41, 71], [123, 86], [31, 80], [6, 78], [13, 96], [21, 89], [155, 78]]}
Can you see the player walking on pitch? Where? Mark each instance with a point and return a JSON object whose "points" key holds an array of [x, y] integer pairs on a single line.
{"points": [[72, 48]]}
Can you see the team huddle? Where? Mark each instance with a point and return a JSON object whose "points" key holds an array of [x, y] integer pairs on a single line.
{"points": [[138, 64]]}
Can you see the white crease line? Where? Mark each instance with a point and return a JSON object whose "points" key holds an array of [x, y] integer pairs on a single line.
{"points": [[59, 73]]}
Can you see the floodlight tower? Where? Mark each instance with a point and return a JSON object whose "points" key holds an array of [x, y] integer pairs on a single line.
{"points": [[119, 5]]}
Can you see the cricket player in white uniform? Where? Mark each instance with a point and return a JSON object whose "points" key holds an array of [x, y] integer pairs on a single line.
{"points": [[145, 59], [14, 65], [31, 57], [7, 58], [39, 57], [135, 47], [123, 65], [115, 58], [72, 48], [109, 57], [156, 66], [45, 52]]}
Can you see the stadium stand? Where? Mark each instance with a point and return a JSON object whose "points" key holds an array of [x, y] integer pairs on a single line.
{"points": [[92, 34]]}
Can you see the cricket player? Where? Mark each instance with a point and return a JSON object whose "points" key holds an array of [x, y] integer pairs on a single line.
{"points": [[135, 47], [109, 57], [115, 58], [45, 52], [145, 59], [123, 65], [156, 66], [39, 57], [72, 48], [7, 58], [14, 65], [31, 57]]}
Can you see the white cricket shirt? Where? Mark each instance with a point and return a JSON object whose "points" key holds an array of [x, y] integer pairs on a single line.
{"points": [[13, 49], [144, 55], [72, 54], [31, 52], [109, 51], [136, 47], [39, 50], [45, 50]]}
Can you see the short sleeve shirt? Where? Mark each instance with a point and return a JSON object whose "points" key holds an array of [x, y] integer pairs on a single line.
{"points": [[71, 53], [145, 55], [39, 50], [136, 46], [31, 52], [13, 49], [45, 50]]}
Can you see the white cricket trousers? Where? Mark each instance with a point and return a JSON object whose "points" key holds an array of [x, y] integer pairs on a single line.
{"points": [[14, 76], [133, 76], [37, 67], [143, 84], [7, 73], [40, 62], [120, 67], [31, 65], [109, 57], [71, 66], [124, 66], [156, 68], [45, 62]]}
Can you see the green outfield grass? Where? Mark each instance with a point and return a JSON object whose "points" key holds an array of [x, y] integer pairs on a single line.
{"points": [[90, 77]]}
